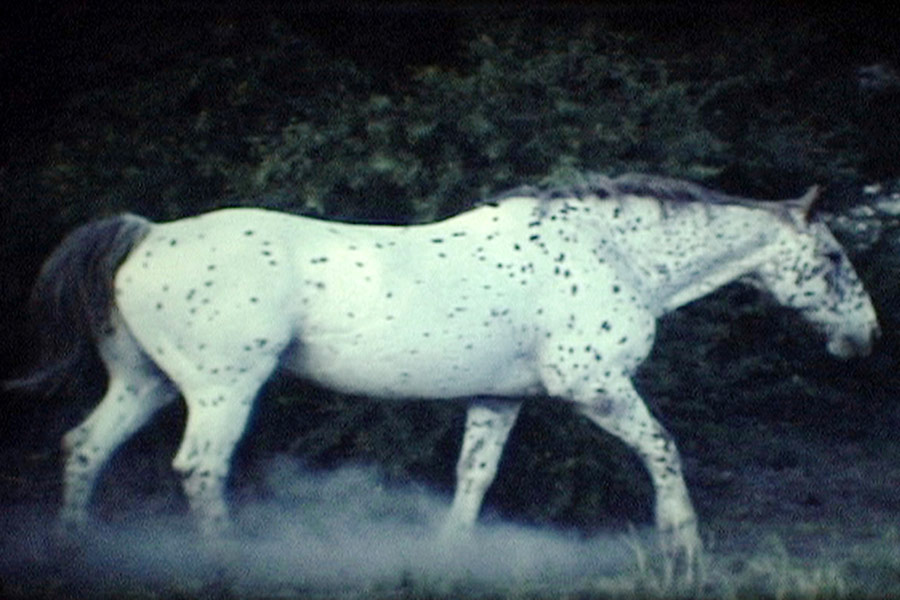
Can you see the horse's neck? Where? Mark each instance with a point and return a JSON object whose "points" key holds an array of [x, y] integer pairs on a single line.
{"points": [[678, 258]]}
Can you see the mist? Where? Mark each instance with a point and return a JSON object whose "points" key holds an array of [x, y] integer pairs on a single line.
{"points": [[337, 533]]}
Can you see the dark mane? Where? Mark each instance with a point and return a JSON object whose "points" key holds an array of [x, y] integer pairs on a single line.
{"points": [[663, 189], [675, 190]]}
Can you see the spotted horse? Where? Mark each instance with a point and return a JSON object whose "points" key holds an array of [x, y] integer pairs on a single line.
{"points": [[535, 292]]}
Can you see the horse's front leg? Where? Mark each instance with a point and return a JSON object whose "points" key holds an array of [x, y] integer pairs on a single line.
{"points": [[488, 423], [619, 409]]}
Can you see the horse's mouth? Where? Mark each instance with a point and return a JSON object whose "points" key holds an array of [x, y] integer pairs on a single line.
{"points": [[851, 346]]}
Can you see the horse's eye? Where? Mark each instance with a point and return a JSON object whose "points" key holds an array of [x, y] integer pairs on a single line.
{"points": [[834, 257]]}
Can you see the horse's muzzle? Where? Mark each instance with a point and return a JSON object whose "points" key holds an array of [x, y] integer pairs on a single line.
{"points": [[853, 345]]}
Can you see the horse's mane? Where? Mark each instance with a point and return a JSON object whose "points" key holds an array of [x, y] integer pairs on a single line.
{"points": [[671, 193], [663, 189]]}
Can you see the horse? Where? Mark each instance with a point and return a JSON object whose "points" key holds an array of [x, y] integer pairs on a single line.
{"points": [[551, 291]]}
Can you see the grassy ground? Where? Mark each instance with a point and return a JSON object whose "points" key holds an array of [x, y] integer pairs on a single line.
{"points": [[776, 531]]}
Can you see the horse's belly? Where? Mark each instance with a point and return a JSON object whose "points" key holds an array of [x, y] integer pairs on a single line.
{"points": [[389, 368]]}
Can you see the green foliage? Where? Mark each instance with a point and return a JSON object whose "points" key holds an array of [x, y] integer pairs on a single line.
{"points": [[780, 100], [280, 123], [522, 111]]}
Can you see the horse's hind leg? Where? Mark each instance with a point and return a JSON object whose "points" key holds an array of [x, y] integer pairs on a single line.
{"points": [[488, 423], [217, 417], [136, 390]]}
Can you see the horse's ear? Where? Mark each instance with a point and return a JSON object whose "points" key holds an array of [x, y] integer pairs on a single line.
{"points": [[800, 208]]}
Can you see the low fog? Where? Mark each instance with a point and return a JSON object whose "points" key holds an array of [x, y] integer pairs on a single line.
{"points": [[341, 532]]}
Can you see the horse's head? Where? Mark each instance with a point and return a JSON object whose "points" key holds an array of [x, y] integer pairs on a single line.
{"points": [[811, 272]]}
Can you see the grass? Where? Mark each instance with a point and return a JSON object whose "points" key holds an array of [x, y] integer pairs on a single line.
{"points": [[800, 563], [836, 569]]}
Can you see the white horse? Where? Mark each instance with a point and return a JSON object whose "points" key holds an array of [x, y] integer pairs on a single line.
{"points": [[550, 292]]}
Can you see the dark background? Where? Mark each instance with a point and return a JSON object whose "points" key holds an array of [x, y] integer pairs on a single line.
{"points": [[160, 111]]}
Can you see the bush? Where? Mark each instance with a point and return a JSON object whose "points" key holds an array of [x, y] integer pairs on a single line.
{"points": [[522, 111]]}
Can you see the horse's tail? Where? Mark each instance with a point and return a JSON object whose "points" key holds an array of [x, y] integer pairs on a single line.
{"points": [[73, 299]]}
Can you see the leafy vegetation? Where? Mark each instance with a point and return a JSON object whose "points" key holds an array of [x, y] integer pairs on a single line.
{"points": [[280, 122]]}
